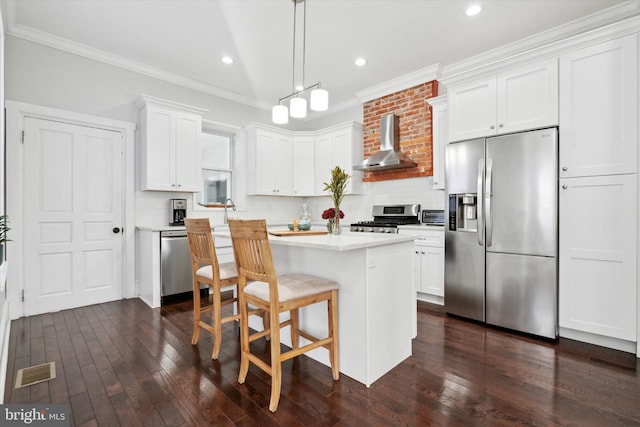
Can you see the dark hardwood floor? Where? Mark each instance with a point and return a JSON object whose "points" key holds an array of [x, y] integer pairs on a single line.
{"points": [[122, 363]]}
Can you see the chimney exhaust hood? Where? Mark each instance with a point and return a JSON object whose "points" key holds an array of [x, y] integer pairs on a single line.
{"points": [[389, 156]]}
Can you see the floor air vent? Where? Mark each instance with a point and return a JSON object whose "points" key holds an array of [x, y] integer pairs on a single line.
{"points": [[36, 374]]}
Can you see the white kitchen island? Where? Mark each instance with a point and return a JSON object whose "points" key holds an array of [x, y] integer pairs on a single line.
{"points": [[376, 300]]}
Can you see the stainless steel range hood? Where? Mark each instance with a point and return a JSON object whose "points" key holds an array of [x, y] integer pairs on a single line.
{"points": [[389, 156]]}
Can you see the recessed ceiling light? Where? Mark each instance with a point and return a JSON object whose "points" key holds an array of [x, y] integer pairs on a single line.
{"points": [[227, 60], [473, 10], [360, 62]]}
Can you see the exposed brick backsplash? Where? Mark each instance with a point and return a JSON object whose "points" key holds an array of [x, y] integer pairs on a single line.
{"points": [[415, 129]]}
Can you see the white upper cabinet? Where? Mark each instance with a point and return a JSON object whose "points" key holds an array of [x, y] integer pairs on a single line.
{"points": [[439, 132], [287, 163], [514, 100], [303, 166], [169, 145], [270, 163], [338, 146], [599, 109]]}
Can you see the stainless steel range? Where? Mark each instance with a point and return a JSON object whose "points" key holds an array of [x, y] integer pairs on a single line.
{"points": [[387, 218]]}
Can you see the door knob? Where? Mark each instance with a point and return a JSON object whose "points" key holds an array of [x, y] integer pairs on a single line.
{"points": [[564, 168], [564, 187], [116, 230]]}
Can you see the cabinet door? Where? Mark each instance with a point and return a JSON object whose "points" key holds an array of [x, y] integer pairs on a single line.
{"points": [[323, 149], [528, 97], [599, 109], [187, 152], [417, 268], [439, 139], [266, 156], [338, 148], [597, 255], [472, 110], [303, 166], [158, 131], [432, 270], [342, 155], [283, 165]]}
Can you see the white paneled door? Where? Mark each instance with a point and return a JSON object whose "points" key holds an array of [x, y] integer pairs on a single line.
{"points": [[73, 205]]}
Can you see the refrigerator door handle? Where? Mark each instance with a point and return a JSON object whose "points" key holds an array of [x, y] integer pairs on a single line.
{"points": [[480, 203], [488, 195]]}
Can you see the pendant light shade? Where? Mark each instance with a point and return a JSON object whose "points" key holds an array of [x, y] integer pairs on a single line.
{"points": [[319, 100], [298, 107], [280, 114]]}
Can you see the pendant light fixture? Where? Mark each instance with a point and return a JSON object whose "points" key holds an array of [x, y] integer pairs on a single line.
{"points": [[318, 99]]}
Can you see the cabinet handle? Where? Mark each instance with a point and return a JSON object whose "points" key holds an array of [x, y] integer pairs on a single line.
{"points": [[422, 252], [173, 185], [501, 125], [564, 187], [416, 252], [492, 127], [564, 168]]}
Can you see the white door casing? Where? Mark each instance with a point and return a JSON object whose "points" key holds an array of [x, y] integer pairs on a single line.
{"points": [[72, 205], [19, 201]]}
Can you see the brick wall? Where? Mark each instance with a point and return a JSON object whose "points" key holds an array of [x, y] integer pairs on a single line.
{"points": [[415, 129]]}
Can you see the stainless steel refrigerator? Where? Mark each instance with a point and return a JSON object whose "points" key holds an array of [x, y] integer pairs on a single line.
{"points": [[501, 240]]}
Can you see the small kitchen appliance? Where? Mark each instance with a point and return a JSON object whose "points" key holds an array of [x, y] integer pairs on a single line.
{"points": [[387, 218], [433, 217], [177, 211]]}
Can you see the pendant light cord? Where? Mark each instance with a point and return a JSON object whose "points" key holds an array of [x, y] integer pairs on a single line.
{"points": [[293, 59], [304, 40]]}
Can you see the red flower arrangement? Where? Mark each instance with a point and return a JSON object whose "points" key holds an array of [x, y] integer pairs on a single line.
{"points": [[331, 213]]}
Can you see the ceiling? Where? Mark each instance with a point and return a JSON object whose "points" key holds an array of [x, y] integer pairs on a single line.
{"points": [[183, 40]]}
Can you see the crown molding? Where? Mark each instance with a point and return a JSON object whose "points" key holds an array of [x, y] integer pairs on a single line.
{"points": [[406, 81], [612, 22], [79, 49], [143, 100], [438, 101]]}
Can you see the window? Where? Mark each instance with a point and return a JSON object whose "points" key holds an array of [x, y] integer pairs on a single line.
{"points": [[217, 161]]}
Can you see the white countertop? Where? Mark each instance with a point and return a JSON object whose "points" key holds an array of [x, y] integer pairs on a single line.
{"points": [[346, 241]]}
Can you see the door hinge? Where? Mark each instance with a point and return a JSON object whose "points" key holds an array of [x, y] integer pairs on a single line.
{"points": [[23, 136], [23, 295]]}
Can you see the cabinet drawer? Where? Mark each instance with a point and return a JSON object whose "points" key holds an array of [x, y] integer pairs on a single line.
{"points": [[430, 240], [426, 237]]}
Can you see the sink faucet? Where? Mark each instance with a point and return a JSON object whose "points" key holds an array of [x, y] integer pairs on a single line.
{"points": [[233, 206]]}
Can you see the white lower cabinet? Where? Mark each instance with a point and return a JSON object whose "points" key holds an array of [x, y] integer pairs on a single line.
{"points": [[428, 262], [598, 257]]}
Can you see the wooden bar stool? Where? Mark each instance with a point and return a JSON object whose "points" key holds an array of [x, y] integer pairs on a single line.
{"points": [[259, 286], [206, 269]]}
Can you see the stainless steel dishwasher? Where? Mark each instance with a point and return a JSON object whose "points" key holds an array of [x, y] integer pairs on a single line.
{"points": [[175, 263]]}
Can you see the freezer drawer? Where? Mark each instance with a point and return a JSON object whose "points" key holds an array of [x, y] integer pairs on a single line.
{"points": [[522, 293]]}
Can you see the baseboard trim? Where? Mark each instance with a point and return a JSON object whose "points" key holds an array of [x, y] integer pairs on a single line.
{"points": [[614, 343]]}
